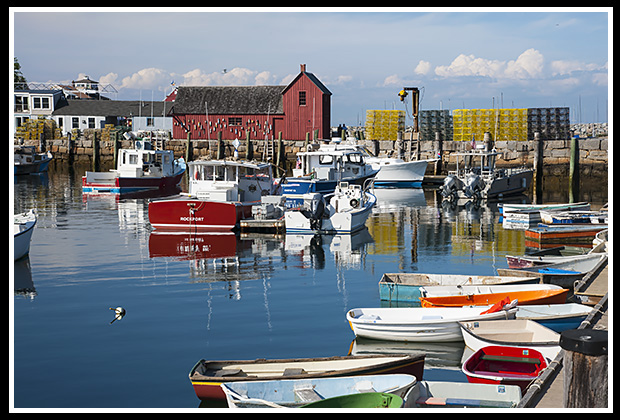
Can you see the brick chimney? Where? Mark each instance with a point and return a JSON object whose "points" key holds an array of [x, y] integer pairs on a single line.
{"points": [[302, 68]]}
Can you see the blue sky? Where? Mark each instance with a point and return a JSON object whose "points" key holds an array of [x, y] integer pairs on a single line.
{"points": [[459, 58]]}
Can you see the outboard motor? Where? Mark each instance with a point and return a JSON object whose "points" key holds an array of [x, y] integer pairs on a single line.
{"points": [[451, 185], [313, 209], [474, 186]]}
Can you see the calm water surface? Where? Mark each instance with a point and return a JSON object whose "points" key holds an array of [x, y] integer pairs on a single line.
{"points": [[212, 296]]}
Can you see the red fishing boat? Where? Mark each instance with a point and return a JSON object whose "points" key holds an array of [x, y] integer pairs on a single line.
{"points": [[221, 193], [504, 365]]}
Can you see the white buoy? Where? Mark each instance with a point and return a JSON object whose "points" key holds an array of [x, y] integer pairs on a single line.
{"points": [[119, 313]]}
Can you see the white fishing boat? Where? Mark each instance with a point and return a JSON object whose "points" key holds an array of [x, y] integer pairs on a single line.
{"points": [[512, 207], [27, 161], [522, 333], [418, 324], [23, 227], [344, 211], [139, 169], [528, 261], [476, 177], [322, 167], [438, 394], [407, 287], [398, 173], [289, 393]]}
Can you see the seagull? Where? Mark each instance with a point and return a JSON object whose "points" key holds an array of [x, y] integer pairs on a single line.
{"points": [[119, 313]]}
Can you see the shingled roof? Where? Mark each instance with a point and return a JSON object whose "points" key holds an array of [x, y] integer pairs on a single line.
{"points": [[81, 107], [229, 100]]}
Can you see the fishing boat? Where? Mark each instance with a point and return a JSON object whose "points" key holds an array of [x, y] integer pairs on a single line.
{"points": [[26, 160], [438, 394], [548, 234], [573, 217], [206, 376], [23, 227], [476, 177], [418, 324], [398, 173], [406, 287], [511, 207], [344, 211], [518, 333], [138, 169], [560, 317], [361, 400], [563, 273], [480, 295], [322, 167], [220, 194], [504, 365], [291, 393]]}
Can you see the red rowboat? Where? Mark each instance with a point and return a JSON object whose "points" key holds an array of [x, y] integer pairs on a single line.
{"points": [[504, 365]]}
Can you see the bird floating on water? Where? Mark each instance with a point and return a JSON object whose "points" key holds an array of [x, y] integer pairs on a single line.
{"points": [[119, 313]]}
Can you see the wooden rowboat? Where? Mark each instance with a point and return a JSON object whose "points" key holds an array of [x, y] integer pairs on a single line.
{"points": [[407, 287], [521, 333], [206, 376], [480, 295], [504, 365], [418, 324], [297, 392], [561, 273], [560, 233]]}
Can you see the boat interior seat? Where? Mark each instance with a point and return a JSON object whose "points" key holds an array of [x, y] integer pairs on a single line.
{"points": [[229, 372], [293, 371]]}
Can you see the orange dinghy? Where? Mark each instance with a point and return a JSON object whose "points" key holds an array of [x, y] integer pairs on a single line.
{"points": [[479, 295]]}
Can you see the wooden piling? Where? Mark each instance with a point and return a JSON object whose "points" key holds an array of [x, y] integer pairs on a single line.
{"points": [[585, 368], [573, 176], [538, 168]]}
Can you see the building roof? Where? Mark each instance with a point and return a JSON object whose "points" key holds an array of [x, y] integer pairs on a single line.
{"points": [[112, 108], [238, 100], [312, 78]]}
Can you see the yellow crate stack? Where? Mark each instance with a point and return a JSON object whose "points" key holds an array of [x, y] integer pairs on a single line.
{"points": [[503, 124], [384, 124]]}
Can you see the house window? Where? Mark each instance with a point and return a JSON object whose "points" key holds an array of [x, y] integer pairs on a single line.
{"points": [[21, 103], [40, 102], [91, 122], [234, 120], [302, 98], [150, 122], [75, 122]]}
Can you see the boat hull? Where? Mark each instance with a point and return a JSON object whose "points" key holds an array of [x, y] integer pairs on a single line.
{"points": [[207, 386], [21, 239], [517, 333], [407, 287], [32, 168], [417, 324], [189, 214], [560, 234], [504, 365], [401, 174], [124, 185], [558, 318], [525, 297], [296, 392], [457, 395]]}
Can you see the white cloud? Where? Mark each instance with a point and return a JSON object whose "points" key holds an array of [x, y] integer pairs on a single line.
{"points": [[150, 78], [423, 67], [562, 67], [392, 80], [528, 65]]}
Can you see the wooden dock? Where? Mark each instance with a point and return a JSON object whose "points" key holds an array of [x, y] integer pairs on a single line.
{"points": [[548, 390]]}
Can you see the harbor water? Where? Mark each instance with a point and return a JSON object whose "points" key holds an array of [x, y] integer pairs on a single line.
{"points": [[189, 297]]}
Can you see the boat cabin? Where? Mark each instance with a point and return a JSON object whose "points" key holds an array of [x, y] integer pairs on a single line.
{"points": [[222, 180], [143, 161], [476, 161], [331, 162]]}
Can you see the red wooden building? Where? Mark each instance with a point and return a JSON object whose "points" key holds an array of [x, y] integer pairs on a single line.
{"points": [[301, 107]]}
